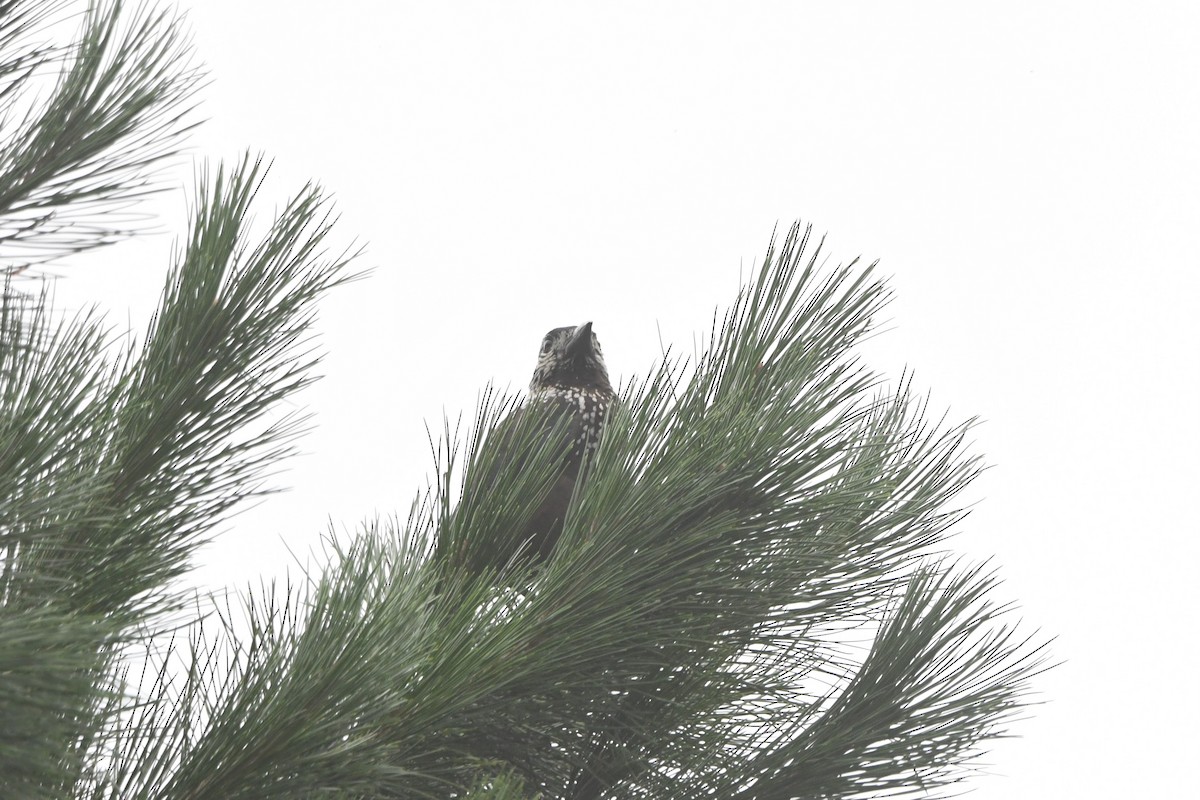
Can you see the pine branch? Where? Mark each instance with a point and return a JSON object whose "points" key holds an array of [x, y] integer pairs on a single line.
{"points": [[943, 676], [229, 341], [72, 164], [672, 646], [51, 655], [114, 475]]}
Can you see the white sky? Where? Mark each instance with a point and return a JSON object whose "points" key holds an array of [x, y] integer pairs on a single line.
{"points": [[1028, 173]]}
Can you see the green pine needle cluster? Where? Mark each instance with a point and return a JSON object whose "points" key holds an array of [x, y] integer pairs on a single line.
{"points": [[85, 123], [751, 597]]}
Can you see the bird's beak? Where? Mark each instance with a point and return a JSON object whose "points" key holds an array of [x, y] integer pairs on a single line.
{"points": [[581, 341]]}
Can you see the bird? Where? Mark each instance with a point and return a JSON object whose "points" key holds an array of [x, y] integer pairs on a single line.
{"points": [[570, 394]]}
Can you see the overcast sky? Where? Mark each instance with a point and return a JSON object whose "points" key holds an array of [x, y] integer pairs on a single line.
{"points": [[1026, 173]]}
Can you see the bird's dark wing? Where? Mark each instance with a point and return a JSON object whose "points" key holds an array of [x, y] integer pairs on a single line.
{"points": [[556, 423], [545, 432]]}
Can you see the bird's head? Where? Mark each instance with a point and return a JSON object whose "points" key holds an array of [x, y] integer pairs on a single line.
{"points": [[570, 358]]}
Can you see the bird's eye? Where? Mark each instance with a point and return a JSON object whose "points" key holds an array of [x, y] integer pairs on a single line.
{"points": [[546, 345]]}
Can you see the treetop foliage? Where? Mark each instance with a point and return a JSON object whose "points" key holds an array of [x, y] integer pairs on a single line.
{"points": [[751, 597]]}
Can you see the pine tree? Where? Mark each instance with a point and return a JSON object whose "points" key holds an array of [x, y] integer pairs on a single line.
{"points": [[751, 513]]}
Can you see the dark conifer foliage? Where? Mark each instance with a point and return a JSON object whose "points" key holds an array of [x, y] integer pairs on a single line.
{"points": [[753, 510]]}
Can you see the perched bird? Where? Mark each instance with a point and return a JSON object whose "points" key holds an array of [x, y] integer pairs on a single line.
{"points": [[570, 381]]}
